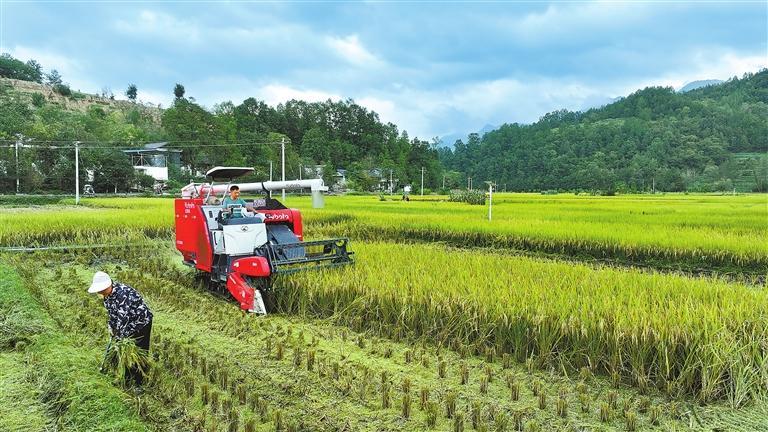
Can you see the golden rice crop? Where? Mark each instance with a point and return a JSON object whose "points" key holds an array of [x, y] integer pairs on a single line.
{"points": [[701, 337], [691, 231], [726, 233]]}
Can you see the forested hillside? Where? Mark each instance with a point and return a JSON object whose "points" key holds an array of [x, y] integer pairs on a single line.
{"points": [[712, 138], [709, 139], [335, 134]]}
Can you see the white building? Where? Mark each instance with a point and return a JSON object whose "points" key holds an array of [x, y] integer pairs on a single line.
{"points": [[153, 160]]}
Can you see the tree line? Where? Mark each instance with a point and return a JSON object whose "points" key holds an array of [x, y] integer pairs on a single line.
{"points": [[331, 135], [710, 139], [713, 138]]}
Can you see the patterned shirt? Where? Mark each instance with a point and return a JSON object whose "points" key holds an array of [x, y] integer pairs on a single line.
{"points": [[127, 312]]}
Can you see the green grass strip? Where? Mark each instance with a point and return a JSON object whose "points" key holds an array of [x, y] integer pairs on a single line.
{"points": [[64, 375], [22, 408]]}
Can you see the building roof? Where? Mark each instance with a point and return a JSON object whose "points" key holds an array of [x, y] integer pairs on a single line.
{"points": [[153, 148]]}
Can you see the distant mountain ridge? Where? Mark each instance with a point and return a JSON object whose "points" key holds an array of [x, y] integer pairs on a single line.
{"points": [[706, 137], [447, 141], [450, 139], [693, 85]]}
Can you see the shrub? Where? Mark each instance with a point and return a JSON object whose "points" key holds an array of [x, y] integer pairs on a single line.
{"points": [[473, 196]]}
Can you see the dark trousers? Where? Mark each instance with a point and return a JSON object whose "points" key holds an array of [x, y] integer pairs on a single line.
{"points": [[142, 341]]}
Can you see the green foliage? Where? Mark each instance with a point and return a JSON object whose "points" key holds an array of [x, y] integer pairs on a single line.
{"points": [[144, 181], [654, 139], [62, 89], [178, 91], [337, 134], [190, 125], [14, 116], [132, 92], [474, 196], [38, 100], [63, 373], [112, 170], [197, 330], [315, 145], [11, 67], [20, 318], [22, 408], [53, 78]]}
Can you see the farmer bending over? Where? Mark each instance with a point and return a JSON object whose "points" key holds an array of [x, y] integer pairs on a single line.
{"points": [[128, 315]]}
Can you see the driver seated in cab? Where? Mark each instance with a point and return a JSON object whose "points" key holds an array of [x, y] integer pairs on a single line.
{"points": [[236, 206]]}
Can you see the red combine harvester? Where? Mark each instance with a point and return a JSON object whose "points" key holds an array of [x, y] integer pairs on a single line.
{"points": [[243, 253]]}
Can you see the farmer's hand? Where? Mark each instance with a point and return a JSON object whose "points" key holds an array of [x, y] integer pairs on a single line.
{"points": [[111, 333]]}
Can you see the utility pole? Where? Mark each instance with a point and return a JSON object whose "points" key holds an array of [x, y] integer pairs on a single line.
{"points": [[77, 172], [490, 198], [299, 171], [282, 157], [270, 170], [443, 181], [422, 181], [391, 187], [18, 142]]}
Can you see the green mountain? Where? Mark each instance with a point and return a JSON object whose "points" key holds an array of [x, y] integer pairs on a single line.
{"points": [[49, 117], [707, 139]]}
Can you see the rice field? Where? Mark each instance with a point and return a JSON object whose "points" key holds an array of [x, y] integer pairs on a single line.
{"points": [[446, 321], [700, 337], [727, 234]]}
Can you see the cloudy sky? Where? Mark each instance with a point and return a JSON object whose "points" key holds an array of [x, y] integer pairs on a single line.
{"points": [[432, 68]]}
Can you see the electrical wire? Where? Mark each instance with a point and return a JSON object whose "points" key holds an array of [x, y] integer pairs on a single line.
{"points": [[130, 146]]}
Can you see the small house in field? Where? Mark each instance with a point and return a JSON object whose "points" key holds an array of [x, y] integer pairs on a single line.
{"points": [[153, 160]]}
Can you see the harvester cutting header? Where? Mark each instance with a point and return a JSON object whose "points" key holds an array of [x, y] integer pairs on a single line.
{"points": [[243, 246]]}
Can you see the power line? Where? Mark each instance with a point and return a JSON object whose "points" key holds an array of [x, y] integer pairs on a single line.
{"points": [[137, 143], [128, 146]]}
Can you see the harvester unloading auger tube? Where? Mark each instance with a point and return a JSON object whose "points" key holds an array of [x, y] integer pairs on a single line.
{"points": [[243, 253]]}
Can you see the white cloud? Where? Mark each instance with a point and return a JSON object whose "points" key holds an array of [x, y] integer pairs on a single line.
{"points": [[236, 89], [278, 93], [412, 116], [385, 108], [154, 97], [266, 35], [715, 63], [350, 49], [575, 20], [462, 107], [423, 113], [157, 24], [703, 63], [72, 71]]}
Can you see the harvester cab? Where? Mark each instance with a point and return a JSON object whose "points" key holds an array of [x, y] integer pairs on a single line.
{"points": [[241, 249]]}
